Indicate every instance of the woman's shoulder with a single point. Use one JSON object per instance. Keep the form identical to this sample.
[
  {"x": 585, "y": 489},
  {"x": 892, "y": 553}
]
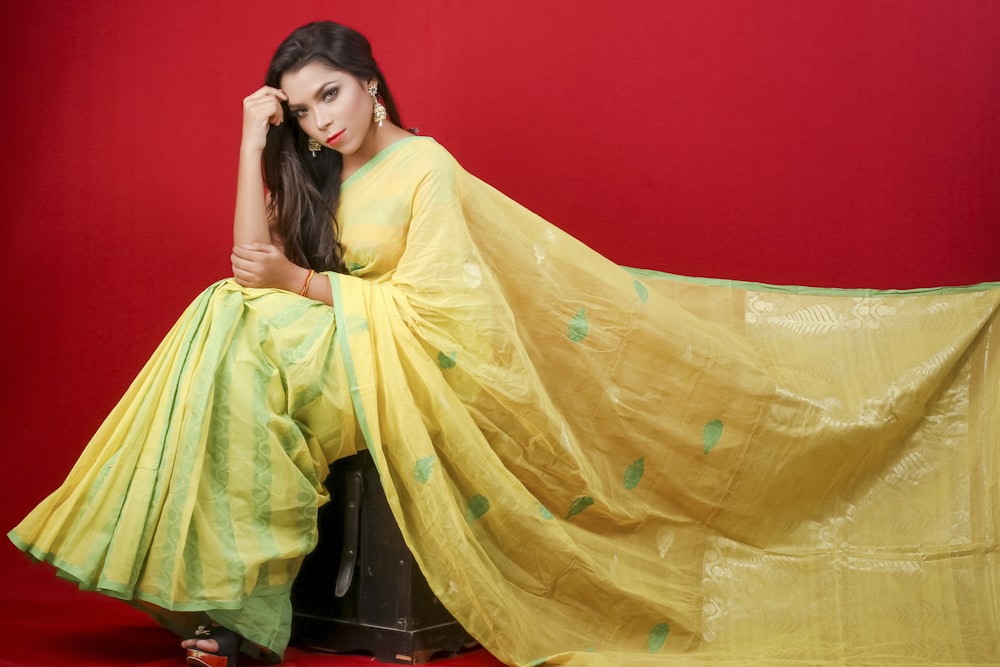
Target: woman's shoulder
[
  {"x": 409, "y": 157},
  {"x": 421, "y": 159},
  {"x": 428, "y": 149}
]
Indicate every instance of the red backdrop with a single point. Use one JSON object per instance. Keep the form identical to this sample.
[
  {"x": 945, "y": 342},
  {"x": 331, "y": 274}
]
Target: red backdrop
[{"x": 826, "y": 143}]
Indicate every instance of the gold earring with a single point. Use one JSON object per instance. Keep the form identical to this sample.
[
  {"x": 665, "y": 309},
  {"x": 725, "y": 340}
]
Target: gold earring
[
  {"x": 315, "y": 147},
  {"x": 378, "y": 111}
]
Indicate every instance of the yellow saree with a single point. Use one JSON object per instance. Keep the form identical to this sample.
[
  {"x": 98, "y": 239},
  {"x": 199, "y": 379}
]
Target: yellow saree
[{"x": 592, "y": 465}]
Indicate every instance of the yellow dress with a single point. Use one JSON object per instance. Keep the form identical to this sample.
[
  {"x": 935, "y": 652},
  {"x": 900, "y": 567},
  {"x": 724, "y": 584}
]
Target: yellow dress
[{"x": 592, "y": 465}]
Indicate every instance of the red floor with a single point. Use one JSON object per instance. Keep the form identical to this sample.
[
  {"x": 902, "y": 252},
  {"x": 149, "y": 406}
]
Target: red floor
[{"x": 47, "y": 622}]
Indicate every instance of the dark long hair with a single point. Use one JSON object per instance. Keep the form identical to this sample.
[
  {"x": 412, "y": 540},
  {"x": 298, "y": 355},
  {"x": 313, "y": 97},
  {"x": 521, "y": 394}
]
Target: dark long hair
[{"x": 305, "y": 191}]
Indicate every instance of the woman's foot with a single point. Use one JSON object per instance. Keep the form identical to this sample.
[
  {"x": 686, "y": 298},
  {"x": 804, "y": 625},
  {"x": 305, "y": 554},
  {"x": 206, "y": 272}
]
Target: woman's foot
[{"x": 212, "y": 646}]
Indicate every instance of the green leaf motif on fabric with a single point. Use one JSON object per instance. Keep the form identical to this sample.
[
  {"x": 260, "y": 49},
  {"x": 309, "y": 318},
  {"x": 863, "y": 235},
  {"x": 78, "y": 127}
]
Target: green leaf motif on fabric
[
  {"x": 478, "y": 506},
  {"x": 447, "y": 361},
  {"x": 711, "y": 433},
  {"x": 354, "y": 266},
  {"x": 580, "y": 504},
  {"x": 423, "y": 469},
  {"x": 641, "y": 290},
  {"x": 658, "y": 636},
  {"x": 546, "y": 514},
  {"x": 633, "y": 474},
  {"x": 356, "y": 324},
  {"x": 537, "y": 663},
  {"x": 579, "y": 326}
]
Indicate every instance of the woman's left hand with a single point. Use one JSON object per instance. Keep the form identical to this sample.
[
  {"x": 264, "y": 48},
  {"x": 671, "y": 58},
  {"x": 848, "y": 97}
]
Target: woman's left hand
[{"x": 263, "y": 265}]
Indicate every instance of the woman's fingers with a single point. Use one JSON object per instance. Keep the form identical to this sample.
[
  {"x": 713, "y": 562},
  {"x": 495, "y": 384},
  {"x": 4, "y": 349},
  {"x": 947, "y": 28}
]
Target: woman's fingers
[
  {"x": 253, "y": 251},
  {"x": 261, "y": 109},
  {"x": 251, "y": 259},
  {"x": 247, "y": 272},
  {"x": 264, "y": 265},
  {"x": 267, "y": 100},
  {"x": 265, "y": 91},
  {"x": 264, "y": 110}
]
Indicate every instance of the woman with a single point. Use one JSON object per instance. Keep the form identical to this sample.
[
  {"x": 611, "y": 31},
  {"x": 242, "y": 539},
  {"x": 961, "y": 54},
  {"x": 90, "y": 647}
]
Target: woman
[{"x": 591, "y": 465}]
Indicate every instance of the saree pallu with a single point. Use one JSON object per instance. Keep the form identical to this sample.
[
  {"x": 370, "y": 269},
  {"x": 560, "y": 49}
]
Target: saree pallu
[{"x": 592, "y": 465}]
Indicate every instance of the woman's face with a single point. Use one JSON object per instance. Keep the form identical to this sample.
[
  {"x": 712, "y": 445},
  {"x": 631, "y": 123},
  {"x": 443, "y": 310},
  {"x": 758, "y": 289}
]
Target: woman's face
[{"x": 331, "y": 106}]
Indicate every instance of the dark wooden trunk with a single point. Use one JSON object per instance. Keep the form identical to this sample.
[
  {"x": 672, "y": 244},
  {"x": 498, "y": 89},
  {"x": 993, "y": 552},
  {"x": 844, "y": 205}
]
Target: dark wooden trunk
[{"x": 361, "y": 590}]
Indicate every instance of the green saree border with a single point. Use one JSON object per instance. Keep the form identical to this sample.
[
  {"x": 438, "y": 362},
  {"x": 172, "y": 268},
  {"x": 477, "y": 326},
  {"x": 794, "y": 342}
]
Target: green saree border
[
  {"x": 340, "y": 334},
  {"x": 380, "y": 157},
  {"x": 800, "y": 289}
]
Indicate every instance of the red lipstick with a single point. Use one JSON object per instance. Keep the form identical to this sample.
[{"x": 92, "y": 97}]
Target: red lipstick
[{"x": 335, "y": 138}]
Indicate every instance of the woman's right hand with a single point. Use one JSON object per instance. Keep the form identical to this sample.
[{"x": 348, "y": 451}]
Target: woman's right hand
[{"x": 261, "y": 109}]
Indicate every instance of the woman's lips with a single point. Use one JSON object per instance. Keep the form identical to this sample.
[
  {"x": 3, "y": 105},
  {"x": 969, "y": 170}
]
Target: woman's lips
[{"x": 335, "y": 138}]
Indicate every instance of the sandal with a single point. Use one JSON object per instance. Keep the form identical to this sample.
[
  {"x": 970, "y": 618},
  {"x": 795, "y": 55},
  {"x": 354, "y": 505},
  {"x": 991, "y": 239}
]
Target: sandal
[{"x": 229, "y": 647}]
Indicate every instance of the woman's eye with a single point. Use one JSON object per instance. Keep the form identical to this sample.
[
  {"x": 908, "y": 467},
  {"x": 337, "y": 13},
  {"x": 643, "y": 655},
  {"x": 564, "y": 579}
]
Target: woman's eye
[
  {"x": 329, "y": 95},
  {"x": 299, "y": 113}
]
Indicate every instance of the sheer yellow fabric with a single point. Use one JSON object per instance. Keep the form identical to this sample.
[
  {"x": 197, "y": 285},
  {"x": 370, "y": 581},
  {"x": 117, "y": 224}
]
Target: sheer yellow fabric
[
  {"x": 592, "y": 465},
  {"x": 597, "y": 466}
]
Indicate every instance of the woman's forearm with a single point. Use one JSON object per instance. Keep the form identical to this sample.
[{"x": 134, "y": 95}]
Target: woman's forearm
[
  {"x": 250, "y": 223},
  {"x": 320, "y": 290}
]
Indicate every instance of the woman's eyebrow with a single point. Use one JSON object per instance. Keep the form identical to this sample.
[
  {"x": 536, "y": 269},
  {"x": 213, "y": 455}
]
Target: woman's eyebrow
[{"x": 317, "y": 95}]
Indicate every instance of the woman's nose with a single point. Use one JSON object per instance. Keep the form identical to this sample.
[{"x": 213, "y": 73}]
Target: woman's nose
[{"x": 323, "y": 120}]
